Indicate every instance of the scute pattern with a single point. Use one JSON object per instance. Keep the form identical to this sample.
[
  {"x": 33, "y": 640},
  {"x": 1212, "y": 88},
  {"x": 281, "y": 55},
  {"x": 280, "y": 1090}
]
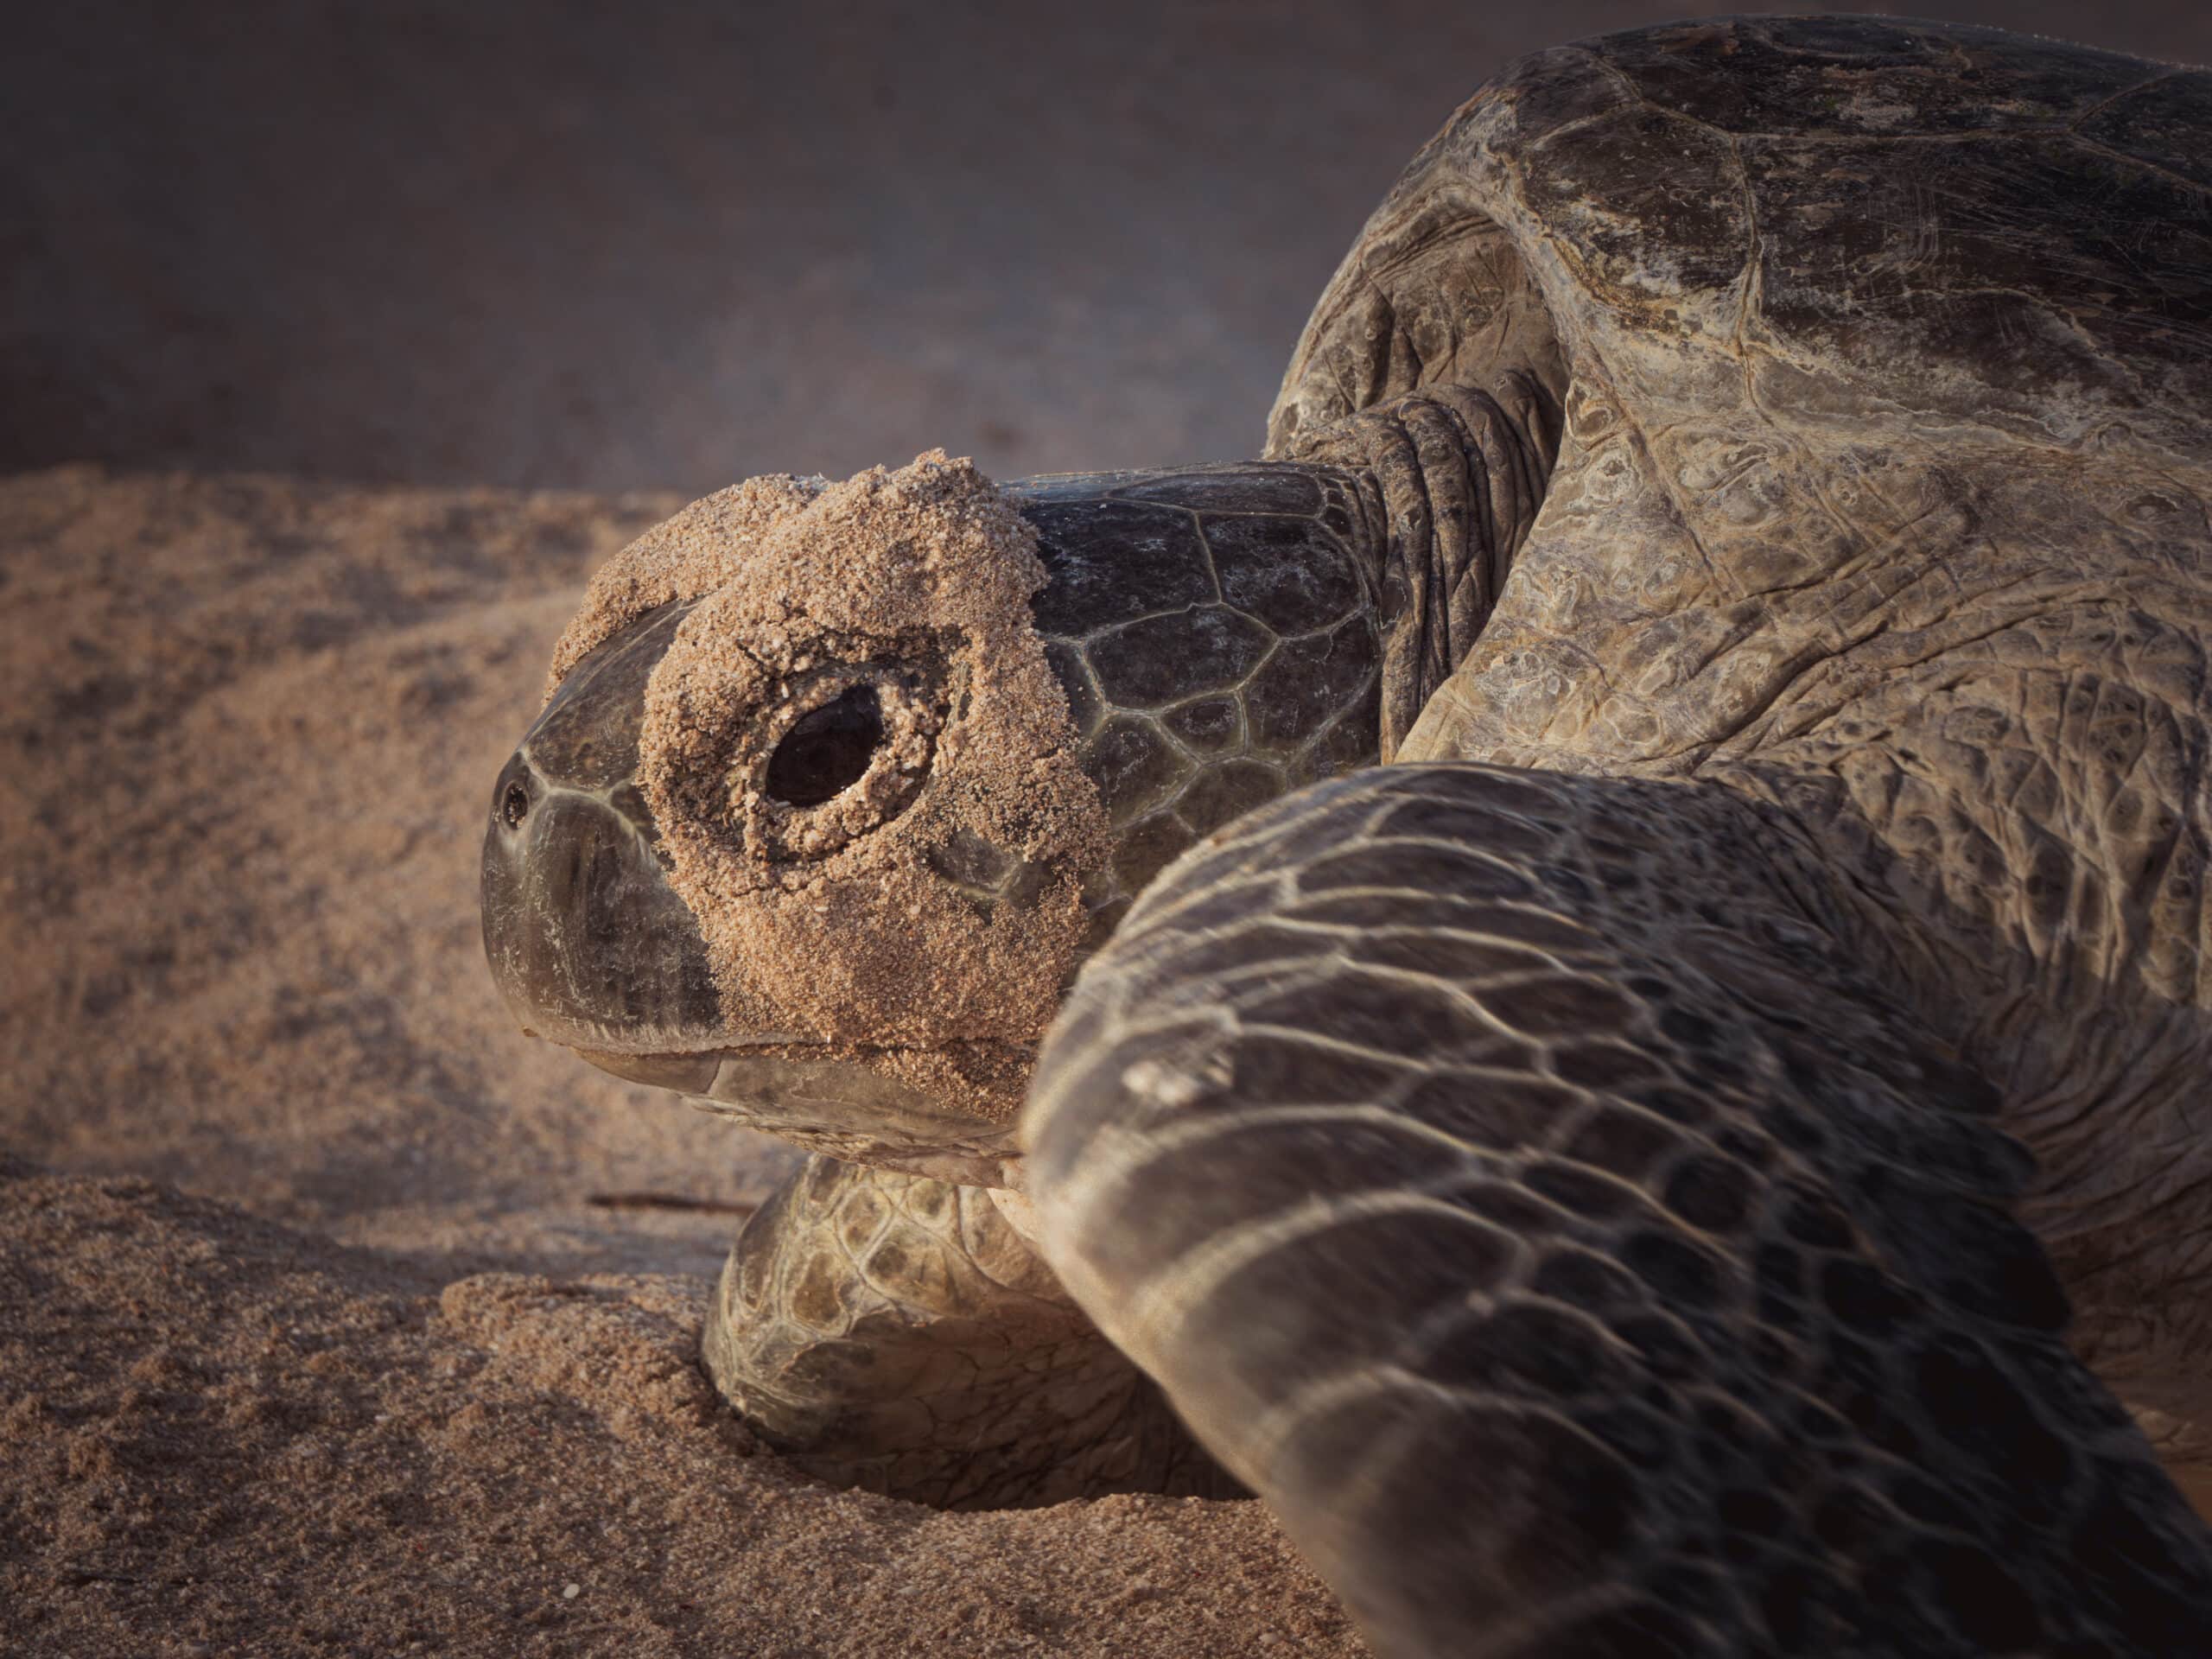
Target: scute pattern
[
  {"x": 1229, "y": 649},
  {"x": 1623, "y": 1266}
]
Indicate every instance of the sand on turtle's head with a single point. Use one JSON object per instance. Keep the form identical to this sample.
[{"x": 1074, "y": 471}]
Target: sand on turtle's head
[
  {"x": 683, "y": 557},
  {"x": 827, "y": 920}
]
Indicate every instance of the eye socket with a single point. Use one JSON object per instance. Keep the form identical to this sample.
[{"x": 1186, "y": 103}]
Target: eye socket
[
  {"x": 827, "y": 750},
  {"x": 514, "y": 804}
]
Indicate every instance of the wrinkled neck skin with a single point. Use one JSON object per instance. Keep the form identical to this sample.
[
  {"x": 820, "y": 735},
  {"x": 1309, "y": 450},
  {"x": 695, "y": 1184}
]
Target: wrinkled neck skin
[{"x": 1979, "y": 715}]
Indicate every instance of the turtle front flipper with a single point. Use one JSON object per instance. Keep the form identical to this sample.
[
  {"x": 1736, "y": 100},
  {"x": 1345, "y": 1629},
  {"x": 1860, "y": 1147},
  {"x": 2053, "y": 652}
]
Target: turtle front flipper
[
  {"x": 1511, "y": 1176},
  {"x": 885, "y": 1330}
]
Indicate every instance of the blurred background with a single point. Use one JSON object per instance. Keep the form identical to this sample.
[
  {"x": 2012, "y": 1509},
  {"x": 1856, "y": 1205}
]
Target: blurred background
[{"x": 666, "y": 244}]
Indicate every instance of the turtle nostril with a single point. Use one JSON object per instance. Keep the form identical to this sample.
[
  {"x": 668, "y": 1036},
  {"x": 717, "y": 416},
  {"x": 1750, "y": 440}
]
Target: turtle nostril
[
  {"x": 827, "y": 750},
  {"x": 514, "y": 804}
]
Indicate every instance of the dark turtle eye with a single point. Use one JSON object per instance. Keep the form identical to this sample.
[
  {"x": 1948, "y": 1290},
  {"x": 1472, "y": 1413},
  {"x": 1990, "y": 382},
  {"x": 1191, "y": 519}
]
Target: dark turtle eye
[
  {"x": 827, "y": 750},
  {"x": 514, "y": 804}
]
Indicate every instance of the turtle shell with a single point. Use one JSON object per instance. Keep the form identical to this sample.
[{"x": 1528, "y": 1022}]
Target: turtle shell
[{"x": 1856, "y": 322}]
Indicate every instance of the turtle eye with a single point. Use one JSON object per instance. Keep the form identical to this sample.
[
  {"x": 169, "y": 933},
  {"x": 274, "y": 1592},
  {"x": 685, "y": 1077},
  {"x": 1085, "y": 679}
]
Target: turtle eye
[
  {"x": 827, "y": 750},
  {"x": 514, "y": 804}
]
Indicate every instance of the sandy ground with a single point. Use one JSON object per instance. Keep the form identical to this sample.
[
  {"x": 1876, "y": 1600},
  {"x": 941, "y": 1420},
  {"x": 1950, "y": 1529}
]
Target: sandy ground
[{"x": 398, "y": 1346}]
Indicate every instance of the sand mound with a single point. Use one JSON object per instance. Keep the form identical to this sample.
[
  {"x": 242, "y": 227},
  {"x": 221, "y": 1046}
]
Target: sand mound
[
  {"x": 223, "y": 1436},
  {"x": 398, "y": 1375}
]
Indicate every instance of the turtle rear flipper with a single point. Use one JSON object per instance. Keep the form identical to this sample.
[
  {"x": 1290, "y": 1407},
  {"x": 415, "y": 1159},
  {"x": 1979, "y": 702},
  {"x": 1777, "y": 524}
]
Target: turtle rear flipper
[{"x": 889, "y": 1332}]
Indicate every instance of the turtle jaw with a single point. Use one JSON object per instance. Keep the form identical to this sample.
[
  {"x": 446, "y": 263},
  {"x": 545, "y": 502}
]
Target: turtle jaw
[
  {"x": 588, "y": 946},
  {"x": 592, "y": 950}
]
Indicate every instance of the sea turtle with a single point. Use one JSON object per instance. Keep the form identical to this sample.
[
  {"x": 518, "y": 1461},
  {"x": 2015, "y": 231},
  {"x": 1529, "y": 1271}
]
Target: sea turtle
[{"x": 1614, "y": 1178}]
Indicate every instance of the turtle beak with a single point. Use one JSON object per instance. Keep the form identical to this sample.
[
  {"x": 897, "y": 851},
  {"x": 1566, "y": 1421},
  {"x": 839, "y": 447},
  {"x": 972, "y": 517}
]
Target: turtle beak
[{"x": 587, "y": 943}]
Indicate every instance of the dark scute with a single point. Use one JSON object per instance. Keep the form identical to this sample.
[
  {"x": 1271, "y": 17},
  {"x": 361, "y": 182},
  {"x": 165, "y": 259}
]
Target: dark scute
[
  {"x": 1556, "y": 88},
  {"x": 1111, "y": 562},
  {"x": 1712, "y": 1194},
  {"x": 1346, "y": 1294},
  {"x": 1642, "y": 1439},
  {"x": 1475, "y": 824},
  {"x": 1585, "y": 1279},
  {"x": 1251, "y": 1173},
  {"x": 1698, "y": 1591},
  {"x": 1581, "y": 1192},
  {"x": 1514, "y": 1208},
  {"x": 1557, "y": 1004},
  {"x": 1810, "y": 1218},
  {"x": 1290, "y": 573},
  {"x": 1500, "y": 1114},
  {"x": 1283, "y": 1070},
  {"x": 1686, "y": 1026},
  {"x": 1797, "y": 1129},
  {"x": 1207, "y": 724},
  {"x": 1424, "y": 867},
  {"x": 1163, "y": 659},
  {"x": 1222, "y": 903},
  {"x": 1547, "y": 803},
  {"x": 1373, "y": 1011},
  {"x": 1134, "y": 767},
  {"x": 1352, "y": 740},
  {"x": 1227, "y": 790},
  {"x": 1802, "y": 1607},
  {"x": 1149, "y": 847},
  {"x": 815, "y": 1300},
  {"x": 1527, "y": 1349},
  {"x": 1681, "y": 1274},
  {"x": 1675, "y": 1105},
  {"x": 1170, "y": 965},
  {"x": 1621, "y": 1140},
  {"x": 586, "y": 738},
  {"x": 1441, "y": 954},
  {"x": 1308, "y": 682},
  {"x": 1101, "y": 924}
]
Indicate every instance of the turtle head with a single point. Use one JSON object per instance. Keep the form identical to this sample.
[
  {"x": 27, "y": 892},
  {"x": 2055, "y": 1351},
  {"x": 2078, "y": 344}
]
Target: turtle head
[
  {"x": 836, "y": 784},
  {"x": 800, "y": 831}
]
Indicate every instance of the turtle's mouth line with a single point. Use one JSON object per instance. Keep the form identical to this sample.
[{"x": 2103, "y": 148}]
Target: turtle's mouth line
[{"x": 691, "y": 1071}]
